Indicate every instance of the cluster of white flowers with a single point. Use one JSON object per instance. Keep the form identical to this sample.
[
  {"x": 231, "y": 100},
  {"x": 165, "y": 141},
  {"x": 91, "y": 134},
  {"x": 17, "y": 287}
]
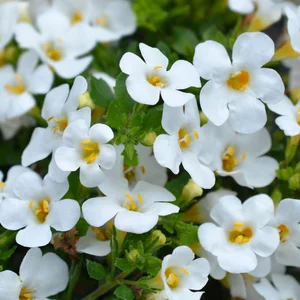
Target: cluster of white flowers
[{"x": 247, "y": 244}]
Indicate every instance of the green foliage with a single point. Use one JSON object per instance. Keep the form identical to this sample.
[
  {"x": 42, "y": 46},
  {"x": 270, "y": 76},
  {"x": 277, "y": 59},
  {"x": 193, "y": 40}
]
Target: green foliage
[
  {"x": 124, "y": 292},
  {"x": 95, "y": 270},
  {"x": 6, "y": 254},
  {"x": 101, "y": 92},
  {"x": 124, "y": 265},
  {"x": 82, "y": 227}
]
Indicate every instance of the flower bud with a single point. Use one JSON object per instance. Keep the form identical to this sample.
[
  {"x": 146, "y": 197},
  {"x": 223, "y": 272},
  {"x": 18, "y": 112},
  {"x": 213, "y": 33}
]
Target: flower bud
[
  {"x": 294, "y": 182},
  {"x": 203, "y": 118},
  {"x": 191, "y": 190},
  {"x": 149, "y": 138},
  {"x": 86, "y": 101},
  {"x": 133, "y": 255},
  {"x": 161, "y": 237}
]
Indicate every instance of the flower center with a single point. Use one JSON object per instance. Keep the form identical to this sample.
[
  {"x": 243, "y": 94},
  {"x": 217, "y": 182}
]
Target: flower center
[
  {"x": 132, "y": 205},
  {"x": 229, "y": 160},
  {"x": 239, "y": 81},
  {"x": 240, "y": 234},
  {"x": 101, "y": 235},
  {"x": 90, "y": 151},
  {"x": 284, "y": 231},
  {"x": 18, "y": 87},
  {"x": 298, "y": 116},
  {"x": 172, "y": 277},
  {"x": 41, "y": 210},
  {"x": 102, "y": 21},
  {"x": 130, "y": 172},
  {"x": 155, "y": 79},
  {"x": 2, "y": 184},
  {"x": 185, "y": 138},
  {"x": 52, "y": 51},
  {"x": 25, "y": 294},
  {"x": 59, "y": 125},
  {"x": 77, "y": 17}
]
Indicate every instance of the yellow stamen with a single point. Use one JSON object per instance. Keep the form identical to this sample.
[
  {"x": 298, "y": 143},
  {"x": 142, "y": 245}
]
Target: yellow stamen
[
  {"x": 184, "y": 270},
  {"x": 239, "y": 81},
  {"x": 41, "y": 210},
  {"x": 85, "y": 142},
  {"x": 90, "y": 151},
  {"x": 196, "y": 134},
  {"x": 25, "y": 294},
  {"x": 31, "y": 204},
  {"x": 156, "y": 81},
  {"x": 143, "y": 170},
  {"x": 77, "y": 17},
  {"x": 100, "y": 235},
  {"x": 240, "y": 234},
  {"x": 238, "y": 224},
  {"x": 140, "y": 198},
  {"x": 17, "y": 88},
  {"x": 171, "y": 278},
  {"x": 2, "y": 184},
  {"x": 157, "y": 67},
  {"x": 283, "y": 232},
  {"x": 130, "y": 204},
  {"x": 61, "y": 124},
  {"x": 184, "y": 138},
  {"x": 52, "y": 52},
  {"x": 229, "y": 161}
]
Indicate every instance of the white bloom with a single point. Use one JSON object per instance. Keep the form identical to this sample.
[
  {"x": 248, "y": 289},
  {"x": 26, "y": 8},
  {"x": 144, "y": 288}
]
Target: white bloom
[
  {"x": 96, "y": 241},
  {"x": 149, "y": 79},
  {"x": 147, "y": 169},
  {"x": 41, "y": 276},
  {"x": 241, "y": 233},
  {"x": 293, "y": 26},
  {"x": 242, "y": 6},
  {"x": 239, "y": 156},
  {"x": 17, "y": 88},
  {"x": 286, "y": 221},
  {"x": 182, "y": 142},
  {"x": 234, "y": 89},
  {"x": 284, "y": 287},
  {"x": 294, "y": 72},
  {"x": 289, "y": 120},
  {"x": 37, "y": 207},
  {"x": 59, "y": 110},
  {"x": 37, "y": 8},
  {"x": 86, "y": 148},
  {"x": 58, "y": 44},
  {"x": 135, "y": 210},
  {"x": 180, "y": 274}
]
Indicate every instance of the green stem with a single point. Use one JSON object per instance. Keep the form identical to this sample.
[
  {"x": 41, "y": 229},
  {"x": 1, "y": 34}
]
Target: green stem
[
  {"x": 106, "y": 287},
  {"x": 74, "y": 277}
]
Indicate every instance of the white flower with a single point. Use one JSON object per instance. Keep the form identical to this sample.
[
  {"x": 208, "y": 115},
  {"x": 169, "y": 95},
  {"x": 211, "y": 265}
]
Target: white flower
[
  {"x": 180, "y": 274},
  {"x": 238, "y": 155},
  {"x": 284, "y": 287},
  {"x": 58, "y": 44},
  {"x": 294, "y": 72},
  {"x": 149, "y": 79},
  {"x": 286, "y": 221},
  {"x": 96, "y": 241},
  {"x": 86, "y": 149},
  {"x": 135, "y": 210},
  {"x": 242, "y": 6},
  {"x": 17, "y": 88},
  {"x": 293, "y": 26},
  {"x": 234, "y": 89},
  {"x": 37, "y": 207},
  {"x": 147, "y": 169},
  {"x": 289, "y": 120},
  {"x": 59, "y": 110},
  {"x": 241, "y": 233},
  {"x": 41, "y": 276},
  {"x": 181, "y": 143}
]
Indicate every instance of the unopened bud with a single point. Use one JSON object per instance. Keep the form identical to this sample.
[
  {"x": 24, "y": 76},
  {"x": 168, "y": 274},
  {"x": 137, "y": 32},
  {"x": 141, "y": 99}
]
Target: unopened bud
[
  {"x": 276, "y": 196},
  {"x": 149, "y": 139},
  {"x": 86, "y": 101},
  {"x": 161, "y": 237},
  {"x": 191, "y": 190},
  {"x": 294, "y": 182},
  {"x": 133, "y": 255},
  {"x": 203, "y": 118}
]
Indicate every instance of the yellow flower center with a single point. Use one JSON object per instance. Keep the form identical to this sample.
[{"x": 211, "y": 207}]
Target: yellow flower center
[
  {"x": 132, "y": 205},
  {"x": 239, "y": 81},
  {"x": 130, "y": 172},
  {"x": 53, "y": 52},
  {"x": 240, "y": 234},
  {"x": 25, "y": 294},
  {"x": 60, "y": 124},
  {"x": 101, "y": 235},
  {"x": 41, "y": 209},
  {"x": 185, "y": 138},
  {"x": 2, "y": 184},
  {"x": 155, "y": 79},
  {"x": 172, "y": 277},
  {"x": 229, "y": 160},
  {"x": 90, "y": 151},
  {"x": 102, "y": 21},
  {"x": 18, "y": 87},
  {"x": 298, "y": 116},
  {"x": 77, "y": 17},
  {"x": 284, "y": 231}
]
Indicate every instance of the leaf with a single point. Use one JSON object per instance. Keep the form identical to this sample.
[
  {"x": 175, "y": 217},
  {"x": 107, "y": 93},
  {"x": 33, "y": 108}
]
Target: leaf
[
  {"x": 124, "y": 292},
  {"x": 115, "y": 116},
  {"x": 82, "y": 227},
  {"x": 6, "y": 254},
  {"x": 187, "y": 233},
  {"x": 175, "y": 186},
  {"x": 130, "y": 155},
  {"x": 95, "y": 270},
  {"x": 124, "y": 265},
  {"x": 101, "y": 93},
  {"x": 152, "y": 265},
  {"x": 152, "y": 120}
]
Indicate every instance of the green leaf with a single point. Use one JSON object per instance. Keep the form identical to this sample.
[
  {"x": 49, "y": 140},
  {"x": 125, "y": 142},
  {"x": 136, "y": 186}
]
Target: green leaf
[
  {"x": 101, "y": 93},
  {"x": 130, "y": 155},
  {"x": 6, "y": 254},
  {"x": 152, "y": 120},
  {"x": 214, "y": 34},
  {"x": 95, "y": 270},
  {"x": 187, "y": 233},
  {"x": 175, "y": 186},
  {"x": 124, "y": 292},
  {"x": 115, "y": 116},
  {"x": 82, "y": 227},
  {"x": 152, "y": 265},
  {"x": 124, "y": 265}
]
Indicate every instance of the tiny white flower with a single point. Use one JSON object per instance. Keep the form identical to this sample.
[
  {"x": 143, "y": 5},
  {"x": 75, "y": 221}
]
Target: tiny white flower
[
  {"x": 242, "y": 6},
  {"x": 135, "y": 210},
  {"x": 286, "y": 221},
  {"x": 293, "y": 26},
  {"x": 239, "y": 155},
  {"x": 17, "y": 88},
  {"x": 40, "y": 277},
  {"x": 182, "y": 142},
  {"x": 37, "y": 206},
  {"x": 58, "y": 44},
  {"x": 289, "y": 120},
  {"x": 86, "y": 149},
  {"x": 241, "y": 234},
  {"x": 150, "y": 78},
  {"x": 96, "y": 241},
  {"x": 180, "y": 274},
  {"x": 284, "y": 287},
  {"x": 235, "y": 90},
  {"x": 147, "y": 169}
]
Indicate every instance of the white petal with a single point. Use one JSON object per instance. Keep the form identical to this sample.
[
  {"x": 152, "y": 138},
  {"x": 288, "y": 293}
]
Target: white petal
[
  {"x": 175, "y": 98},
  {"x": 289, "y": 125},
  {"x": 237, "y": 286},
  {"x": 55, "y": 190},
  {"x": 288, "y": 211},
  {"x": 288, "y": 254},
  {"x": 286, "y": 284},
  {"x": 10, "y": 285},
  {"x": 81, "y": 114},
  {"x": 30, "y": 265},
  {"x": 131, "y": 63},
  {"x": 41, "y": 80},
  {"x": 55, "y": 173},
  {"x": 26, "y": 36},
  {"x": 101, "y": 133},
  {"x": 162, "y": 209},
  {"x": 20, "y": 105},
  {"x": 67, "y": 159},
  {"x": 76, "y": 132},
  {"x": 91, "y": 175},
  {"x": 153, "y": 57},
  {"x": 27, "y": 63},
  {"x": 266, "y": 289},
  {"x": 244, "y": 7},
  {"x": 172, "y": 119},
  {"x": 107, "y": 156},
  {"x": 263, "y": 267}
]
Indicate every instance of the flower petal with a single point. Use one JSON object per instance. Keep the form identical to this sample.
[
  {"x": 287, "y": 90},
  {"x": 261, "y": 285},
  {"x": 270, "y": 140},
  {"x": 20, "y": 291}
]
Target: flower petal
[
  {"x": 153, "y": 57},
  {"x": 131, "y": 63},
  {"x": 91, "y": 175},
  {"x": 175, "y": 98}
]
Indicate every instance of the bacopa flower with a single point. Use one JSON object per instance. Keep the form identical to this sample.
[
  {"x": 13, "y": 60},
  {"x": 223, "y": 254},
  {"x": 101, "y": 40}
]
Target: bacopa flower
[
  {"x": 289, "y": 120},
  {"x": 40, "y": 277},
  {"x": 239, "y": 156},
  {"x": 242, "y": 6},
  {"x": 17, "y": 88},
  {"x": 37, "y": 206},
  {"x": 286, "y": 221},
  {"x": 293, "y": 26},
  {"x": 150, "y": 78},
  {"x": 234, "y": 89},
  {"x": 180, "y": 274},
  {"x": 182, "y": 143},
  {"x": 241, "y": 232},
  {"x": 57, "y": 44},
  {"x": 86, "y": 149},
  {"x": 135, "y": 210}
]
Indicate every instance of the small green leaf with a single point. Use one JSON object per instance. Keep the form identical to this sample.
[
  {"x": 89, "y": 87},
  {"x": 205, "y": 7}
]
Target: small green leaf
[
  {"x": 101, "y": 93},
  {"x": 95, "y": 270},
  {"x": 130, "y": 155},
  {"x": 124, "y": 265},
  {"x": 124, "y": 292},
  {"x": 6, "y": 254},
  {"x": 187, "y": 233},
  {"x": 152, "y": 265},
  {"x": 82, "y": 227},
  {"x": 115, "y": 116}
]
